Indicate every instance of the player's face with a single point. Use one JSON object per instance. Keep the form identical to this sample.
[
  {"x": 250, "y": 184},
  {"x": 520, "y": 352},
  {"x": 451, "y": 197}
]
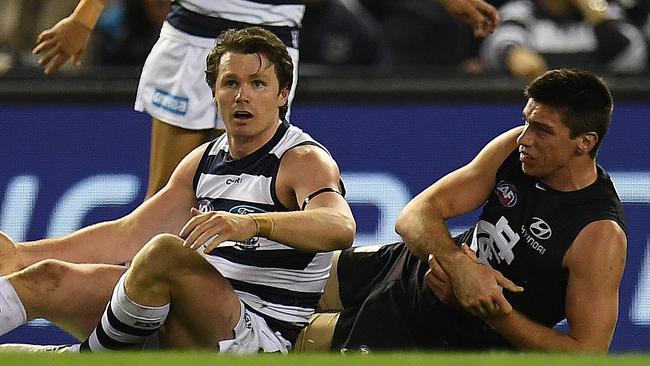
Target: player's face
[
  {"x": 246, "y": 93},
  {"x": 546, "y": 149}
]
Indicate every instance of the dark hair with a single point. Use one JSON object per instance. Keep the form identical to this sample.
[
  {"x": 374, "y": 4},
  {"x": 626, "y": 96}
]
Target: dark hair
[
  {"x": 252, "y": 40},
  {"x": 584, "y": 101}
]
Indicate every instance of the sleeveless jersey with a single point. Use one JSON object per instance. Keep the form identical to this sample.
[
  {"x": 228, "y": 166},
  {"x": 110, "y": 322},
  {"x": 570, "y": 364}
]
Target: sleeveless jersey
[
  {"x": 281, "y": 284},
  {"x": 526, "y": 228},
  {"x": 524, "y": 231}
]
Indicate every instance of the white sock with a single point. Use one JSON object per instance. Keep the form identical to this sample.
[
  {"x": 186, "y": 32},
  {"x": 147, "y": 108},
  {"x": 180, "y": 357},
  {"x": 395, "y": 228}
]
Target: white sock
[
  {"x": 125, "y": 324},
  {"x": 12, "y": 311}
]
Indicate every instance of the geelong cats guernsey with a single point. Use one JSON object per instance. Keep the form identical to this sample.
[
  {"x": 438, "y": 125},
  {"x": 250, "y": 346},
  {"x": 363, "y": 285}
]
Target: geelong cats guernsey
[
  {"x": 526, "y": 228},
  {"x": 208, "y": 18},
  {"x": 279, "y": 283}
]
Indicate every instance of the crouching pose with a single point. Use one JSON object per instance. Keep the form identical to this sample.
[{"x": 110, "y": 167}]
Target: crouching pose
[{"x": 231, "y": 255}]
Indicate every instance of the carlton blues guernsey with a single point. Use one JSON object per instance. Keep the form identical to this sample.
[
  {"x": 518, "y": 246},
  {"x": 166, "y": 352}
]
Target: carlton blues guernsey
[
  {"x": 524, "y": 231},
  {"x": 275, "y": 281}
]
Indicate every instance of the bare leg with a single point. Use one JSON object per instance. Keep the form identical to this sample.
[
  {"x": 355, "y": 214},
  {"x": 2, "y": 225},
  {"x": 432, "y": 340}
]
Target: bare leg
[
  {"x": 71, "y": 295},
  {"x": 169, "y": 145},
  {"x": 10, "y": 260},
  {"x": 204, "y": 307}
]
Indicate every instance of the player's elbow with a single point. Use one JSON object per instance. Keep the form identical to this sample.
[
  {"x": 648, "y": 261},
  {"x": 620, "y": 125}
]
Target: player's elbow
[
  {"x": 346, "y": 233},
  {"x": 408, "y": 223}
]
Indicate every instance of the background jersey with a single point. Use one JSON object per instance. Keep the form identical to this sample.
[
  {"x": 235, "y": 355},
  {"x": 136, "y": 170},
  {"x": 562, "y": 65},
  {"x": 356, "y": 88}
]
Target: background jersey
[
  {"x": 208, "y": 18},
  {"x": 281, "y": 284},
  {"x": 526, "y": 227}
]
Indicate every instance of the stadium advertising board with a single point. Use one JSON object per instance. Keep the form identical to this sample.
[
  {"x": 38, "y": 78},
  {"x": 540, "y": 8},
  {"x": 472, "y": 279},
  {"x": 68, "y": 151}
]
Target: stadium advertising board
[{"x": 64, "y": 167}]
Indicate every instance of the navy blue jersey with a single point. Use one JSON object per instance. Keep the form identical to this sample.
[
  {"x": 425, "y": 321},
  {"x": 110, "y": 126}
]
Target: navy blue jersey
[
  {"x": 524, "y": 231},
  {"x": 526, "y": 228}
]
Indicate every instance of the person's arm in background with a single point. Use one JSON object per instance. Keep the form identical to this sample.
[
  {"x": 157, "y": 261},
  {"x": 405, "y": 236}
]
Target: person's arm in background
[
  {"x": 619, "y": 43},
  {"x": 68, "y": 39},
  {"x": 481, "y": 16},
  {"x": 507, "y": 49}
]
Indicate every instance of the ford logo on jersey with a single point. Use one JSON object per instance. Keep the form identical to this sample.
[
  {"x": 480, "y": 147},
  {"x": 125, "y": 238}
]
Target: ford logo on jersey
[
  {"x": 252, "y": 243},
  {"x": 245, "y": 210}
]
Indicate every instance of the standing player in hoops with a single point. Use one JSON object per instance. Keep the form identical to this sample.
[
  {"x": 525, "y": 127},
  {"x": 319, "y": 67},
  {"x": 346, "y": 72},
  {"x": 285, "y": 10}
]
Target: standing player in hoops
[
  {"x": 231, "y": 255},
  {"x": 171, "y": 86},
  {"x": 551, "y": 223}
]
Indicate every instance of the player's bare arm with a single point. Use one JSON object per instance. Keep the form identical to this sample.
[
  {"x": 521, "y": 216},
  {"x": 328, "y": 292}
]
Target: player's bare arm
[
  {"x": 422, "y": 227},
  {"x": 119, "y": 240},
  {"x": 595, "y": 262},
  {"x": 326, "y": 222}
]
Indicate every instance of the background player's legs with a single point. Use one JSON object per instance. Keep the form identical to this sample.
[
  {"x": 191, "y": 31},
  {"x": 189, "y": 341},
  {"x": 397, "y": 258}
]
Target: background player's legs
[
  {"x": 71, "y": 295},
  {"x": 168, "y": 284},
  {"x": 169, "y": 145}
]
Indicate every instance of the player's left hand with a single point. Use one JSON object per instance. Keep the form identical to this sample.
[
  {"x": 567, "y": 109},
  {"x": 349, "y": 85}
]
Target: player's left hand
[
  {"x": 215, "y": 227},
  {"x": 481, "y": 16},
  {"x": 439, "y": 283},
  {"x": 67, "y": 40}
]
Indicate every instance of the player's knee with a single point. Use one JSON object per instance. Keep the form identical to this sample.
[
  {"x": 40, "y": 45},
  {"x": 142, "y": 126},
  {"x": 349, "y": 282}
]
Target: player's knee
[
  {"x": 46, "y": 276},
  {"x": 160, "y": 254}
]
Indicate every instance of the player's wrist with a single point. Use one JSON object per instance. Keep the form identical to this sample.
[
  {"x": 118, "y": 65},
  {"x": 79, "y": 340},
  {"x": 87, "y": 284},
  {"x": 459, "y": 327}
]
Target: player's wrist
[
  {"x": 448, "y": 260},
  {"x": 87, "y": 13},
  {"x": 264, "y": 224}
]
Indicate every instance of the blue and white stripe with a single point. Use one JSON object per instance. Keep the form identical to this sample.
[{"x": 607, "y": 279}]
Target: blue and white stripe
[
  {"x": 286, "y": 13},
  {"x": 274, "y": 280}
]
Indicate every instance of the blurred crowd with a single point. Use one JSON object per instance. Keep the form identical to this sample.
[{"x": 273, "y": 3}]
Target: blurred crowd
[{"x": 603, "y": 35}]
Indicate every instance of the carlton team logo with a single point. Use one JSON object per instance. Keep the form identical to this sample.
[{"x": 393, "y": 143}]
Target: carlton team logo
[{"x": 507, "y": 193}]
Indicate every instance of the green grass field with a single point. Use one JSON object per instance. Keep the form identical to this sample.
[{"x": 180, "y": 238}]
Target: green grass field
[{"x": 400, "y": 359}]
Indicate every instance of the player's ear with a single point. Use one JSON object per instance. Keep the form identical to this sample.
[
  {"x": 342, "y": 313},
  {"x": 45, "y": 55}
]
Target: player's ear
[
  {"x": 586, "y": 142},
  {"x": 283, "y": 97}
]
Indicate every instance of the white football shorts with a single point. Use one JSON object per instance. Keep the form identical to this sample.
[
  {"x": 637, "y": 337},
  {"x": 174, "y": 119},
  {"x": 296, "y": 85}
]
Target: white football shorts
[{"x": 253, "y": 335}]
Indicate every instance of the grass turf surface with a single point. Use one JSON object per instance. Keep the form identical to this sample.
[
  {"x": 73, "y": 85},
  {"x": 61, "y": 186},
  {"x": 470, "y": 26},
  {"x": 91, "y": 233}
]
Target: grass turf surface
[{"x": 399, "y": 359}]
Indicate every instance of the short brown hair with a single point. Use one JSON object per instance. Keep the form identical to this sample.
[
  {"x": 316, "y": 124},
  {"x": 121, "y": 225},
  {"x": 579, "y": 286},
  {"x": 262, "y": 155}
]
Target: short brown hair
[
  {"x": 252, "y": 40},
  {"x": 583, "y": 99}
]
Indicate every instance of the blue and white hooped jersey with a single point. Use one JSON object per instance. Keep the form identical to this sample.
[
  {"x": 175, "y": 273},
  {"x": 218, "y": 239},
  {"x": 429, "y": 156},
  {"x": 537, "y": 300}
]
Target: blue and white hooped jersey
[
  {"x": 208, "y": 18},
  {"x": 269, "y": 12},
  {"x": 276, "y": 281}
]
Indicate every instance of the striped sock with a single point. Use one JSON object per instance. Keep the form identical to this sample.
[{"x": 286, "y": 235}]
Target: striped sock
[{"x": 125, "y": 324}]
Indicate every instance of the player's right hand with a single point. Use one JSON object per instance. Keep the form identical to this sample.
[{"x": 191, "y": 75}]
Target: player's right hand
[
  {"x": 67, "y": 40},
  {"x": 479, "y": 288}
]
